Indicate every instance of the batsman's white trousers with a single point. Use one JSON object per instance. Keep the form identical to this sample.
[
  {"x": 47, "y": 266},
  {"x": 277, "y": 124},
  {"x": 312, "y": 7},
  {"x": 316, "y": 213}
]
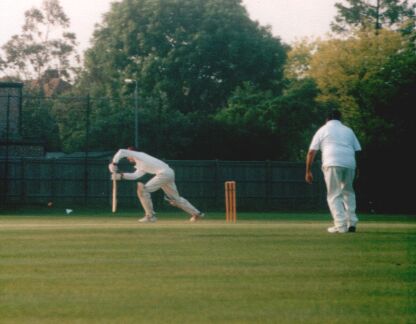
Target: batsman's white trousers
[
  {"x": 340, "y": 195},
  {"x": 165, "y": 181}
]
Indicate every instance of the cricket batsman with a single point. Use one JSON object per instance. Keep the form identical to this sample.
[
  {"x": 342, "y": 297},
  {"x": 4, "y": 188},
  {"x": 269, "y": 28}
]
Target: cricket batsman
[{"x": 164, "y": 178}]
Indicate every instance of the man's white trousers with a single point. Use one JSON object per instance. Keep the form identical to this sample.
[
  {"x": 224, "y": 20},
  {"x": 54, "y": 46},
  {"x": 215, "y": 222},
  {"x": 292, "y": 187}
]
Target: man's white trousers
[
  {"x": 166, "y": 182},
  {"x": 340, "y": 195}
]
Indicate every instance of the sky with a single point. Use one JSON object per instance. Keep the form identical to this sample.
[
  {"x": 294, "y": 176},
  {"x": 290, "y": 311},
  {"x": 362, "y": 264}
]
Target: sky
[{"x": 289, "y": 19}]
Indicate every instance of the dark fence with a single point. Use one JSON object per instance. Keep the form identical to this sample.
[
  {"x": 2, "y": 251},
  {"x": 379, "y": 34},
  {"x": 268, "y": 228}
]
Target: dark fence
[
  {"x": 261, "y": 186},
  {"x": 31, "y": 126}
]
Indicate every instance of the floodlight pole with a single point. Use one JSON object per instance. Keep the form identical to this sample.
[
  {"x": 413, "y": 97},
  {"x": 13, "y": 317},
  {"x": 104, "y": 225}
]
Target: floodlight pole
[
  {"x": 136, "y": 117},
  {"x": 136, "y": 112}
]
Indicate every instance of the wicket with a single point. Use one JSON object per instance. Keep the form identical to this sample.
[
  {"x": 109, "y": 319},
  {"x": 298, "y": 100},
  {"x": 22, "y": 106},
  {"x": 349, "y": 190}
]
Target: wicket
[{"x": 230, "y": 202}]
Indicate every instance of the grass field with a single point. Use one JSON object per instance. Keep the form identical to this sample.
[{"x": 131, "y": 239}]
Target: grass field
[{"x": 269, "y": 268}]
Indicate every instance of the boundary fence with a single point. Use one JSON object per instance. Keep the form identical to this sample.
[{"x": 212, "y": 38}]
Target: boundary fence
[{"x": 262, "y": 185}]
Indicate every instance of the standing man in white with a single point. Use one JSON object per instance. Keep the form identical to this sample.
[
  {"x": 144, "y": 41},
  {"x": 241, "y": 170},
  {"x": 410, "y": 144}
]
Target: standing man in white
[
  {"x": 338, "y": 145},
  {"x": 164, "y": 178}
]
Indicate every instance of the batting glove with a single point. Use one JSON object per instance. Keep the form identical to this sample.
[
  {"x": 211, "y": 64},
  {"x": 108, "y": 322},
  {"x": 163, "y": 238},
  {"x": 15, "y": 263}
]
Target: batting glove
[{"x": 113, "y": 167}]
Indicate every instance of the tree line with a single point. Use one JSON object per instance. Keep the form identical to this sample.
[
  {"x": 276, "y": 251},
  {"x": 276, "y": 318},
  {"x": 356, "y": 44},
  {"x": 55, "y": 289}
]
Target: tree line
[{"x": 213, "y": 84}]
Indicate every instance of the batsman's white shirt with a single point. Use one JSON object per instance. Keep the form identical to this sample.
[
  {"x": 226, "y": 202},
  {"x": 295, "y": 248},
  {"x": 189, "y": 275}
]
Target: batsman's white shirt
[
  {"x": 337, "y": 143},
  {"x": 144, "y": 163}
]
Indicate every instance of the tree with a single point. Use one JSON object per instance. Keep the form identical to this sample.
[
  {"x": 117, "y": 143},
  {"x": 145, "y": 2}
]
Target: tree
[
  {"x": 344, "y": 71},
  {"x": 298, "y": 59},
  {"x": 187, "y": 57},
  {"x": 375, "y": 14},
  {"x": 44, "y": 44},
  {"x": 193, "y": 53},
  {"x": 256, "y": 125}
]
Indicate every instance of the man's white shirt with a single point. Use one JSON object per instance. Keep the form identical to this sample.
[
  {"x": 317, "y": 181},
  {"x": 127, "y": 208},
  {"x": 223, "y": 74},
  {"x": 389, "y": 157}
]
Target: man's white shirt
[
  {"x": 144, "y": 163},
  {"x": 337, "y": 143}
]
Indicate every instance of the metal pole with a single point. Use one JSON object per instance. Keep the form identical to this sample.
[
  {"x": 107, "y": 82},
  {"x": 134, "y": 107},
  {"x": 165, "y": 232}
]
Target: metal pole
[
  {"x": 87, "y": 144},
  {"x": 136, "y": 118}
]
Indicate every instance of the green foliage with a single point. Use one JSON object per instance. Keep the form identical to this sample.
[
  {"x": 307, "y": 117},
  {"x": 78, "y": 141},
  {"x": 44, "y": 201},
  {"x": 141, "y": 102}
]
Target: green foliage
[
  {"x": 298, "y": 59},
  {"x": 71, "y": 118},
  {"x": 376, "y": 14},
  {"x": 39, "y": 123},
  {"x": 248, "y": 125},
  {"x": 44, "y": 44},
  {"x": 193, "y": 53},
  {"x": 347, "y": 70},
  {"x": 163, "y": 132},
  {"x": 258, "y": 125}
]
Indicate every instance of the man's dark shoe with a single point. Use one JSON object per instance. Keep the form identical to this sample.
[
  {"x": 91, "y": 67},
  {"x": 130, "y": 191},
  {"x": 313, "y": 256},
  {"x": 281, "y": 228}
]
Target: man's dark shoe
[{"x": 351, "y": 229}]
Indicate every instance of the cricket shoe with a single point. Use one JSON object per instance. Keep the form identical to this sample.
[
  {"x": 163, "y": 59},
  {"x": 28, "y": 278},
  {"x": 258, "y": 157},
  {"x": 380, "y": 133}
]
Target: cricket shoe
[
  {"x": 335, "y": 229},
  {"x": 148, "y": 219},
  {"x": 197, "y": 217},
  {"x": 352, "y": 229}
]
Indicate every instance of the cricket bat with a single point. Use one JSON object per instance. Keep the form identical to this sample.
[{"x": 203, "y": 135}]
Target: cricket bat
[{"x": 114, "y": 201}]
